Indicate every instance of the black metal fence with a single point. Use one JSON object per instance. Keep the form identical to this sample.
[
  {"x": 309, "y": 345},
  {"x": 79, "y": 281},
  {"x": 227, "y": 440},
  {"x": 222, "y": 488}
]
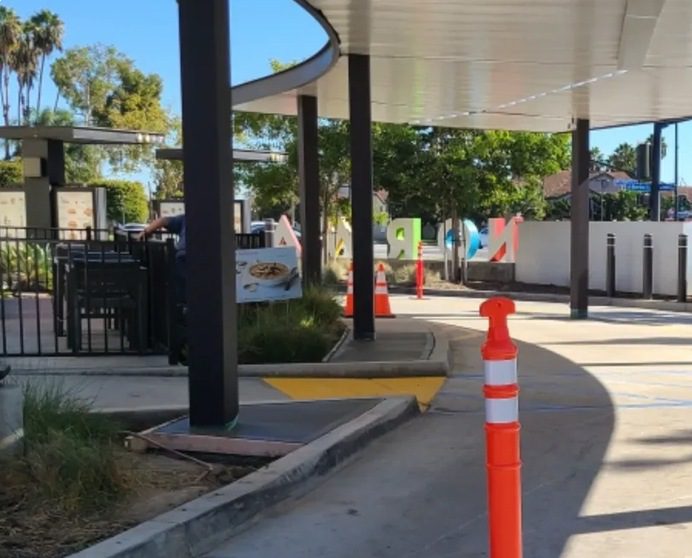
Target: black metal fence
[{"x": 75, "y": 292}]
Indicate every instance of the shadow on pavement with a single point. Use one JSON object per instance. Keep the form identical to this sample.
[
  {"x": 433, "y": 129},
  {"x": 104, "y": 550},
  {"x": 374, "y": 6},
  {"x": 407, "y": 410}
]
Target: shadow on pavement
[{"x": 567, "y": 419}]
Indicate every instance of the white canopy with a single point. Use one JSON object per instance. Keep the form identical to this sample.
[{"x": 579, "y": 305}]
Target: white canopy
[{"x": 504, "y": 64}]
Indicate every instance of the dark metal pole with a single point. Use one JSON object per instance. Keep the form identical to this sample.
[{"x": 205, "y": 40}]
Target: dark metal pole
[
  {"x": 675, "y": 195},
  {"x": 308, "y": 170},
  {"x": 361, "y": 196},
  {"x": 648, "y": 270},
  {"x": 579, "y": 233},
  {"x": 208, "y": 173},
  {"x": 654, "y": 197},
  {"x": 682, "y": 268},
  {"x": 610, "y": 265},
  {"x": 269, "y": 232}
]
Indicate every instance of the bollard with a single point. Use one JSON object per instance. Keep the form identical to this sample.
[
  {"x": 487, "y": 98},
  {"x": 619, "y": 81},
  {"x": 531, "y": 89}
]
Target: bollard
[
  {"x": 682, "y": 268},
  {"x": 502, "y": 427},
  {"x": 648, "y": 271},
  {"x": 420, "y": 275},
  {"x": 610, "y": 265}
]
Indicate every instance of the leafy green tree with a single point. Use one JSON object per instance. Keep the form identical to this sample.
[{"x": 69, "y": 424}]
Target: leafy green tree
[
  {"x": 168, "y": 175},
  {"x": 105, "y": 87},
  {"x": 11, "y": 173},
  {"x": 126, "y": 200},
  {"x": 624, "y": 158},
  {"x": 85, "y": 76}
]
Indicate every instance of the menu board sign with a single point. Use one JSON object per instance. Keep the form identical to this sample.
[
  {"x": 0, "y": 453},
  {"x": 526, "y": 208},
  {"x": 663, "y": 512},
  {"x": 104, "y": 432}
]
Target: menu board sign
[
  {"x": 12, "y": 209},
  {"x": 171, "y": 208},
  {"x": 75, "y": 210}
]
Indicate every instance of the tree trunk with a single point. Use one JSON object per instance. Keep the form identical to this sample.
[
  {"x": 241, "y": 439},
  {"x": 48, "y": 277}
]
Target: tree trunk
[
  {"x": 57, "y": 100},
  {"x": 2, "y": 104},
  {"x": 456, "y": 270},
  {"x": 40, "y": 86}
]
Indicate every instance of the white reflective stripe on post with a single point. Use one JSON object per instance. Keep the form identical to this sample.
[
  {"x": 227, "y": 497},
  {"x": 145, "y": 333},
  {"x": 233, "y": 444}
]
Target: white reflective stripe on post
[
  {"x": 381, "y": 290},
  {"x": 500, "y": 372},
  {"x": 501, "y": 411}
]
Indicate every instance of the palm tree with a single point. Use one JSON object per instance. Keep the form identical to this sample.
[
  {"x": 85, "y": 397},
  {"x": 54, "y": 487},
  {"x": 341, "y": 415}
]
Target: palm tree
[
  {"x": 25, "y": 66},
  {"x": 10, "y": 31},
  {"x": 49, "y": 30}
]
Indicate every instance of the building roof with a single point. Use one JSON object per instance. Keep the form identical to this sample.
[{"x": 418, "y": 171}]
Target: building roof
[
  {"x": 559, "y": 184},
  {"x": 520, "y": 65},
  {"x": 81, "y": 134}
]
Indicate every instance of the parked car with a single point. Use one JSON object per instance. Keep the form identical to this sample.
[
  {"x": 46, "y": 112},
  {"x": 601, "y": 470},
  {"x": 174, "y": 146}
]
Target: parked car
[{"x": 132, "y": 227}]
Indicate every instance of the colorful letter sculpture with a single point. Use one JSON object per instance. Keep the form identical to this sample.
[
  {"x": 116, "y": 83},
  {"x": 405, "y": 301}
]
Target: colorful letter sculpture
[
  {"x": 403, "y": 236},
  {"x": 469, "y": 238},
  {"x": 503, "y": 239}
]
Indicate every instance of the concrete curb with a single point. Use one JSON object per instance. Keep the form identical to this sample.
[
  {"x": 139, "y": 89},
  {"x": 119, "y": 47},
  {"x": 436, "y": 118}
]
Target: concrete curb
[
  {"x": 389, "y": 369},
  {"x": 663, "y": 305},
  {"x": 202, "y": 524}
]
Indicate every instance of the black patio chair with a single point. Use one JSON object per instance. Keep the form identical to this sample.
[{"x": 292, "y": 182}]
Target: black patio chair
[{"x": 114, "y": 291}]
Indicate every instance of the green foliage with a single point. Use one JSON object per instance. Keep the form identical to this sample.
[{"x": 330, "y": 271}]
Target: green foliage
[
  {"x": 11, "y": 173},
  {"x": 126, "y": 200},
  {"x": 70, "y": 452},
  {"x": 622, "y": 206},
  {"x": 168, "y": 175},
  {"x": 26, "y": 266},
  {"x": 433, "y": 172},
  {"x": 624, "y": 158},
  {"x": 301, "y": 330},
  {"x": 106, "y": 89}
]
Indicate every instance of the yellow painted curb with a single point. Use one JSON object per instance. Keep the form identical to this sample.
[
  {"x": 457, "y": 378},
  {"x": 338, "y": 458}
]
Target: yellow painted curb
[{"x": 423, "y": 388}]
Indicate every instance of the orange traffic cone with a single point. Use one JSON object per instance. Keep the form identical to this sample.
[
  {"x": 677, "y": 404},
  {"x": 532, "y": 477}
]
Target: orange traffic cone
[
  {"x": 348, "y": 308},
  {"x": 382, "y": 308}
]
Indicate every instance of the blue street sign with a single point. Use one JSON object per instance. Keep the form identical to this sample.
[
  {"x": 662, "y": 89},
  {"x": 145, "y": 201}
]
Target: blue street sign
[{"x": 644, "y": 187}]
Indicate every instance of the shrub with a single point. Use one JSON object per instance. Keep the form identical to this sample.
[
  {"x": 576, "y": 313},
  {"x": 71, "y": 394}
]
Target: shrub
[
  {"x": 11, "y": 173},
  {"x": 70, "y": 456},
  {"x": 301, "y": 330},
  {"x": 126, "y": 200},
  {"x": 26, "y": 265}
]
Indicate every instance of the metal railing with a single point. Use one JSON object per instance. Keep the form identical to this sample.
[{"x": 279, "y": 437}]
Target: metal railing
[
  {"x": 88, "y": 291},
  {"x": 73, "y": 292}
]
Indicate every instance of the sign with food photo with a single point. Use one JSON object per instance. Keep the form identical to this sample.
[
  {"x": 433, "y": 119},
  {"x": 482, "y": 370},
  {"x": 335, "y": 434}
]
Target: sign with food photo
[{"x": 267, "y": 274}]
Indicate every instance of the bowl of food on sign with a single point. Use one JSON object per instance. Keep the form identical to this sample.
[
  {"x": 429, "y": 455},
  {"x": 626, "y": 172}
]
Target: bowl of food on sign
[{"x": 269, "y": 274}]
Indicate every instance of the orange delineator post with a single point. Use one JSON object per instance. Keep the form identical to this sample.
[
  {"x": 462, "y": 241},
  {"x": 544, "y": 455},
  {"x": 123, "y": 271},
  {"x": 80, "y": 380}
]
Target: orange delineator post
[
  {"x": 382, "y": 306},
  {"x": 348, "y": 307},
  {"x": 502, "y": 427},
  {"x": 419, "y": 272}
]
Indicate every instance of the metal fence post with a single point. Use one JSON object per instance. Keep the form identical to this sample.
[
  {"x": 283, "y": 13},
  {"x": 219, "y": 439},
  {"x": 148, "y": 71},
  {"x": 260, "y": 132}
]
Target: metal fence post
[
  {"x": 610, "y": 265},
  {"x": 682, "y": 268},
  {"x": 648, "y": 271},
  {"x": 269, "y": 230}
]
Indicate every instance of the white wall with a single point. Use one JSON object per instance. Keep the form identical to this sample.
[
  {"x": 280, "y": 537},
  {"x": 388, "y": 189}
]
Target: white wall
[{"x": 543, "y": 256}]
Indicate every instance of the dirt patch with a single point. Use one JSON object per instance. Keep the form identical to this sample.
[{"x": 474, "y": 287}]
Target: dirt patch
[{"x": 34, "y": 528}]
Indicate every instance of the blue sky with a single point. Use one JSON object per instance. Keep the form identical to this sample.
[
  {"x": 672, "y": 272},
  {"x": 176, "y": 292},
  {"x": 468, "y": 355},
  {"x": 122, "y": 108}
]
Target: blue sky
[{"x": 146, "y": 31}]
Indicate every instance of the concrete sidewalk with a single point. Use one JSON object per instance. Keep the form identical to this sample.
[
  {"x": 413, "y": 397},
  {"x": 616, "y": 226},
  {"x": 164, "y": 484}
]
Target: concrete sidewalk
[
  {"x": 605, "y": 408},
  {"x": 131, "y": 381}
]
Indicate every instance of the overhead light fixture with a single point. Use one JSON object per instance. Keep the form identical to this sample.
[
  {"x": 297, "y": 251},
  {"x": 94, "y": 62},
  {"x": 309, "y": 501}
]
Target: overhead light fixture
[{"x": 638, "y": 25}]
